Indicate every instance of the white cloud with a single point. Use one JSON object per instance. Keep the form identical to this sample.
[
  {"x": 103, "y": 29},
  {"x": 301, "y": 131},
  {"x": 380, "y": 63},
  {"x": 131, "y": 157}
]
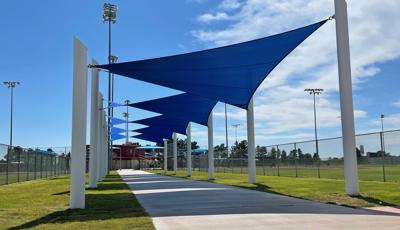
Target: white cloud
[
  {"x": 280, "y": 102},
  {"x": 397, "y": 103},
  {"x": 213, "y": 17},
  {"x": 230, "y": 4}
]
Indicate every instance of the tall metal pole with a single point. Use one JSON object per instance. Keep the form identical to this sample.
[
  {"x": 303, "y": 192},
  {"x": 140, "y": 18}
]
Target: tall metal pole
[
  {"x": 11, "y": 85},
  {"x": 316, "y": 92},
  {"x": 109, "y": 15},
  {"x": 346, "y": 98},
  {"x": 383, "y": 149},
  {"x": 251, "y": 152},
  {"x": 316, "y": 138},
  {"x": 236, "y": 126},
  {"x": 226, "y": 133}
]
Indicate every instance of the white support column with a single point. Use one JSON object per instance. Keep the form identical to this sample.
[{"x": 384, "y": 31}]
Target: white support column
[
  {"x": 165, "y": 156},
  {"x": 105, "y": 138},
  {"x": 78, "y": 143},
  {"x": 99, "y": 135},
  {"x": 346, "y": 98},
  {"x": 175, "y": 152},
  {"x": 94, "y": 116},
  {"x": 189, "y": 149},
  {"x": 251, "y": 152},
  {"x": 210, "y": 147}
]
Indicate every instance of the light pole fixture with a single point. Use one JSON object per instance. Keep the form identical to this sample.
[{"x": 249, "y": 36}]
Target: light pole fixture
[
  {"x": 314, "y": 92},
  {"x": 11, "y": 85},
  {"x": 109, "y": 15},
  {"x": 236, "y": 126}
]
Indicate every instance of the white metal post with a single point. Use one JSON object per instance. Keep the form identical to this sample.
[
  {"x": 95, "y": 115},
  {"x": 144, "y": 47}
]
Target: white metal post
[
  {"x": 210, "y": 147},
  {"x": 165, "y": 156},
  {"x": 78, "y": 139},
  {"x": 189, "y": 149},
  {"x": 106, "y": 139},
  {"x": 94, "y": 116},
  {"x": 346, "y": 98},
  {"x": 99, "y": 135},
  {"x": 175, "y": 152},
  {"x": 251, "y": 153}
]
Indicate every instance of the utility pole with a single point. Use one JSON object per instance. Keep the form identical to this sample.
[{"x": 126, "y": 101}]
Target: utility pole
[
  {"x": 11, "y": 85},
  {"x": 315, "y": 92}
]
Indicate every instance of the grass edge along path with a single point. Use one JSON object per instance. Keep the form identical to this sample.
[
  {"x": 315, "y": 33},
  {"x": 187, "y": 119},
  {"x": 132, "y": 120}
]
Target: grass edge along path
[
  {"x": 372, "y": 193},
  {"x": 43, "y": 204}
]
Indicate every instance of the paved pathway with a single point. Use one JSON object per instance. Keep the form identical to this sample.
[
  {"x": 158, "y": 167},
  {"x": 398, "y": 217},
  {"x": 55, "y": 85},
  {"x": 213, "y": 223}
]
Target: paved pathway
[{"x": 176, "y": 203}]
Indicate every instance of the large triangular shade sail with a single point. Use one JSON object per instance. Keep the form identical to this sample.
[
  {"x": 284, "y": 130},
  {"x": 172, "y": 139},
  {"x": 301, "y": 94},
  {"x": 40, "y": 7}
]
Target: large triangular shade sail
[
  {"x": 183, "y": 106},
  {"x": 115, "y": 137},
  {"x": 116, "y": 130},
  {"x": 116, "y": 121},
  {"x": 164, "y": 121},
  {"x": 165, "y": 131},
  {"x": 229, "y": 74},
  {"x": 150, "y": 137}
]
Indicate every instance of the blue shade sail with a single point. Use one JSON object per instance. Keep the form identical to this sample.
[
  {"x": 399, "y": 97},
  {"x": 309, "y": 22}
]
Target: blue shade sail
[
  {"x": 150, "y": 147},
  {"x": 165, "y": 132},
  {"x": 115, "y": 137},
  {"x": 116, "y": 121},
  {"x": 229, "y": 74},
  {"x": 185, "y": 106},
  {"x": 115, "y": 130},
  {"x": 179, "y": 125},
  {"x": 149, "y": 137}
]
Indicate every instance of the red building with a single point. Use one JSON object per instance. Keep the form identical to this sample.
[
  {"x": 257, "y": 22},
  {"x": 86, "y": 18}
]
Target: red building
[{"x": 127, "y": 152}]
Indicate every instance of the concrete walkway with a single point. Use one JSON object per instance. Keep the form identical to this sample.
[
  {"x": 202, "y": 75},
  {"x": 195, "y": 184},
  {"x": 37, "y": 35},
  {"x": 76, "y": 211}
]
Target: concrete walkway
[{"x": 176, "y": 203}]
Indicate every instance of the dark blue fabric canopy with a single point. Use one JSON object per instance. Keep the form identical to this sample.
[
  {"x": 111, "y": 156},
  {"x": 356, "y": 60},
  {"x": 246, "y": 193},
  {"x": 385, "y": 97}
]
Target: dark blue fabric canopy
[
  {"x": 116, "y": 121},
  {"x": 229, "y": 74},
  {"x": 116, "y": 130},
  {"x": 185, "y": 106},
  {"x": 178, "y": 125},
  {"x": 150, "y": 137},
  {"x": 117, "y": 136},
  {"x": 165, "y": 132}
]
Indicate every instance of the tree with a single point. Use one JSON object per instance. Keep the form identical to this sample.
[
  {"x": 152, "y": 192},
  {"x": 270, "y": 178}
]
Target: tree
[
  {"x": 239, "y": 150},
  {"x": 283, "y": 155},
  {"x": 261, "y": 152}
]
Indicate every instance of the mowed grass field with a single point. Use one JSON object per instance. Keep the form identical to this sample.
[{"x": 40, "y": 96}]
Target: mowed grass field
[
  {"x": 372, "y": 193},
  {"x": 43, "y": 204},
  {"x": 365, "y": 172}
]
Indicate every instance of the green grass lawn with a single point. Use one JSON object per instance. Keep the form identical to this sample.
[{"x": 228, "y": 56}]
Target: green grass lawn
[
  {"x": 43, "y": 204},
  {"x": 373, "y": 193},
  {"x": 366, "y": 172}
]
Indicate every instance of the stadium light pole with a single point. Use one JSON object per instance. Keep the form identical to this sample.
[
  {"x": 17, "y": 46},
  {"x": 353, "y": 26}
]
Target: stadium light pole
[
  {"x": 109, "y": 15},
  {"x": 314, "y": 92},
  {"x": 236, "y": 126},
  {"x": 11, "y": 85},
  {"x": 226, "y": 133}
]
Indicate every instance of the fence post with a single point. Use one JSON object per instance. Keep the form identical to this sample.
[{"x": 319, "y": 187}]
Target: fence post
[
  {"x": 383, "y": 157},
  {"x": 295, "y": 159},
  {"x": 34, "y": 165},
  {"x": 19, "y": 163},
  {"x": 27, "y": 166},
  {"x": 277, "y": 159},
  {"x": 263, "y": 164},
  {"x": 41, "y": 165}
]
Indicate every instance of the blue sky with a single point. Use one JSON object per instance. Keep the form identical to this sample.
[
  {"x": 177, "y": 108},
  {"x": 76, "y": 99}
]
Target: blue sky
[{"x": 36, "y": 47}]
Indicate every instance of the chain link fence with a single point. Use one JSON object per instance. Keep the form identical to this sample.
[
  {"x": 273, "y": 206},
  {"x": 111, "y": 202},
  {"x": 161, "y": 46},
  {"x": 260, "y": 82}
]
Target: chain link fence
[
  {"x": 378, "y": 156},
  {"x": 19, "y": 164}
]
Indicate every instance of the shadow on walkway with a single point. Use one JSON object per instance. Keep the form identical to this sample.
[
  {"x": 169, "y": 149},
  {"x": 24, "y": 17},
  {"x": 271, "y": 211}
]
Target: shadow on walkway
[{"x": 164, "y": 196}]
